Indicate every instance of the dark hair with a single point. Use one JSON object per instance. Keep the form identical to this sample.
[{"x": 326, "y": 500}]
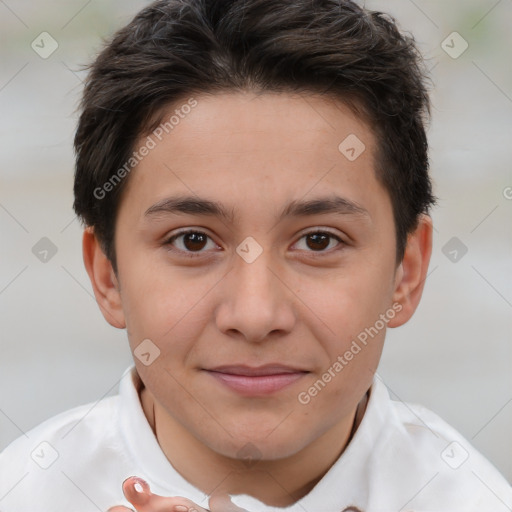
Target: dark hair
[{"x": 173, "y": 49}]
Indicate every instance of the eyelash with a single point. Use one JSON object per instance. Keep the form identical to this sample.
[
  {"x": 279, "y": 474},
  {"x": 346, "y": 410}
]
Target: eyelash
[{"x": 191, "y": 254}]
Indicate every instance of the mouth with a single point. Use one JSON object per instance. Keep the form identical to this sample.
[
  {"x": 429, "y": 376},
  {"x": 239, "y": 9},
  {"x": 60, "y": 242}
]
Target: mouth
[{"x": 256, "y": 381}]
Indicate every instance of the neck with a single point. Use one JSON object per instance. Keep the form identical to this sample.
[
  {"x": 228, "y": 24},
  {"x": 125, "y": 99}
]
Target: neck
[{"x": 278, "y": 483}]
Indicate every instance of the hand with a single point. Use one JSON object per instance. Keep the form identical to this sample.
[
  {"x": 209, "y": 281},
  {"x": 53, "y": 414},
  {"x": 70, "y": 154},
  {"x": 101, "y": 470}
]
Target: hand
[{"x": 137, "y": 492}]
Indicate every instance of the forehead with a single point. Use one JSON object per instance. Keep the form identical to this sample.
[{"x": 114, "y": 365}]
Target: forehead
[
  {"x": 278, "y": 118},
  {"x": 245, "y": 147}
]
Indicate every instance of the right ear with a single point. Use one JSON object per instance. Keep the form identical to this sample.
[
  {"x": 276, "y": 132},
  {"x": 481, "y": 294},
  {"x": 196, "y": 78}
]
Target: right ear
[{"x": 103, "y": 280}]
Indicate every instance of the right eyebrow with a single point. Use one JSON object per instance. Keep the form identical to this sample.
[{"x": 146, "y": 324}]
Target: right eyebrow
[{"x": 190, "y": 205}]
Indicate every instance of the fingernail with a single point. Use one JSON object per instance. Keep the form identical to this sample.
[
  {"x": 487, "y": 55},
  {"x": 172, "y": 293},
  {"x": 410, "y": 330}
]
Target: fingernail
[
  {"x": 136, "y": 479},
  {"x": 140, "y": 485},
  {"x": 136, "y": 490},
  {"x": 180, "y": 508}
]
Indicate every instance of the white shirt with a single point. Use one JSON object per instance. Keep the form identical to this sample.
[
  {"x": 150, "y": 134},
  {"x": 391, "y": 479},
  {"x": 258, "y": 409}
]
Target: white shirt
[{"x": 402, "y": 458}]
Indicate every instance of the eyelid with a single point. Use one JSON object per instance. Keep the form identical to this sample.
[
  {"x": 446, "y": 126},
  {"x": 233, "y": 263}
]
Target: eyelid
[
  {"x": 320, "y": 229},
  {"x": 341, "y": 237},
  {"x": 314, "y": 230},
  {"x": 327, "y": 231},
  {"x": 185, "y": 231},
  {"x": 168, "y": 241}
]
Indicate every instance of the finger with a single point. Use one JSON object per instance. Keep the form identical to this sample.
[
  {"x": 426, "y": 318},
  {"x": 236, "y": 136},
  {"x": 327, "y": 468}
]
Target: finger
[
  {"x": 120, "y": 508},
  {"x": 138, "y": 493},
  {"x": 223, "y": 503}
]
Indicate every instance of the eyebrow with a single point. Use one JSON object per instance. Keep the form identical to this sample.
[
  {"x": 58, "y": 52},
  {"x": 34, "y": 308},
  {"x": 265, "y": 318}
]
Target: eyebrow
[{"x": 199, "y": 206}]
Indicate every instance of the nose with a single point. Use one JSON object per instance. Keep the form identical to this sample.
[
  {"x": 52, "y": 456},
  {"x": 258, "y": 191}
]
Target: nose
[{"x": 256, "y": 303}]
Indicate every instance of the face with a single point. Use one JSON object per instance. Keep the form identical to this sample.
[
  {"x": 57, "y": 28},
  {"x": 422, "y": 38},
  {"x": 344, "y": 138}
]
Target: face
[{"x": 257, "y": 301}]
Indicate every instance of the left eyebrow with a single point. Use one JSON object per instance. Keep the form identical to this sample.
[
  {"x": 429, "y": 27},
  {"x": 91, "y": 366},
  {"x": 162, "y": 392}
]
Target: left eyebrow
[
  {"x": 323, "y": 205},
  {"x": 200, "y": 206}
]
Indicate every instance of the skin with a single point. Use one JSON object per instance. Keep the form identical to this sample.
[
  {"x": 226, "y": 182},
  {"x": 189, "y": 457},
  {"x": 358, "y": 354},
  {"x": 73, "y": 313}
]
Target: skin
[
  {"x": 298, "y": 303},
  {"x": 145, "y": 501}
]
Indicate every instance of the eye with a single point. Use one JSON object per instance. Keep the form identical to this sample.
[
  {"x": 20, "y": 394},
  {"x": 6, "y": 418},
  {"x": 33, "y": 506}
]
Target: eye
[
  {"x": 319, "y": 241},
  {"x": 192, "y": 242}
]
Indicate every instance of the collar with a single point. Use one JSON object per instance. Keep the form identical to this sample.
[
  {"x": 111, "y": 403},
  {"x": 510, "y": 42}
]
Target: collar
[{"x": 351, "y": 467}]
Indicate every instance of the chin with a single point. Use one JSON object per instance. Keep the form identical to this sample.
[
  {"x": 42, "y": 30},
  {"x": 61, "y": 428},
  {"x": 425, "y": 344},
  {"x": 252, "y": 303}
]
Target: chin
[{"x": 259, "y": 446}]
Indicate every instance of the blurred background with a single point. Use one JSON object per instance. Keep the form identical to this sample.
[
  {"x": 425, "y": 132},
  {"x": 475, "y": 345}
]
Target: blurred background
[{"x": 454, "y": 356}]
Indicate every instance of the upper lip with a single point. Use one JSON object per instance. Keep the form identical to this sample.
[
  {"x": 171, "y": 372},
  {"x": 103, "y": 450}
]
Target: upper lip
[{"x": 267, "y": 369}]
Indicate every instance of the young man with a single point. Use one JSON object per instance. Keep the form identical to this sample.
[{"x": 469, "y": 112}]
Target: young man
[{"x": 253, "y": 178}]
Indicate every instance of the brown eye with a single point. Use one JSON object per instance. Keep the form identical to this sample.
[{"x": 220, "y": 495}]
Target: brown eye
[
  {"x": 194, "y": 241},
  {"x": 320, "y": 241},
  {"x": 189, "y": 243}
]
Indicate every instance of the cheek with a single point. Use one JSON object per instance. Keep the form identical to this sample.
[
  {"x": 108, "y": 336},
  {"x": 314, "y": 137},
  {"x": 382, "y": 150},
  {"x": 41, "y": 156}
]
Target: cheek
[
  {"x": 350, "y": 299},
  {"x": 155, "y": 297},
  {"x": 171, "y": 316},
  {"x": 334, "y": 391},
  {"x": 350, "y": 326}
]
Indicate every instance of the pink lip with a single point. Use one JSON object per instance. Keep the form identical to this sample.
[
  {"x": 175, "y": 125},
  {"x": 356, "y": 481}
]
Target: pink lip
[{"x": 262, "y": 380}]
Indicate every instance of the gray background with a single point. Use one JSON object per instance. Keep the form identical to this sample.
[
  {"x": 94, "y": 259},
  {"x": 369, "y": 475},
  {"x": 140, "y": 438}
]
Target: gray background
[{"x": 454, "y": 357}]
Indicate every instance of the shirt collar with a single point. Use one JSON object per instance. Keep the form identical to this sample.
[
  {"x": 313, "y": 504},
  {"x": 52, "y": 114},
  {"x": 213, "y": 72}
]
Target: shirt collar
[{"x": 351, "y": 467}]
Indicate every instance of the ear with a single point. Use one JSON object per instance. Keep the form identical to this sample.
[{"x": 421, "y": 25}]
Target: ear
[
  {"x": 103, "y": 280},
  {"x": 412, "y": 271}
]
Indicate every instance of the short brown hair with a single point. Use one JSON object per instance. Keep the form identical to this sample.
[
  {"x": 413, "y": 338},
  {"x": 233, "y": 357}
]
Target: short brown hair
[{"x": 175, "y": 48}]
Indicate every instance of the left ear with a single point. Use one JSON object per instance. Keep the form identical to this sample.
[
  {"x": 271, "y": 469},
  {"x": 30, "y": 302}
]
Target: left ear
[{"x": 412, "y": 271}]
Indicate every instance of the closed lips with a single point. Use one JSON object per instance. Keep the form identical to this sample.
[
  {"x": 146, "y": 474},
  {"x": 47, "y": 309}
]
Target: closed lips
[{"x": 256, "y": 371}]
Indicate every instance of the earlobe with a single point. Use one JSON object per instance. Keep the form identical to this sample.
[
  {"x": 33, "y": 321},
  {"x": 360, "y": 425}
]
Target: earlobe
[
  {"x": 412, "y": 271},
  {"x": 103, "y": 280}
]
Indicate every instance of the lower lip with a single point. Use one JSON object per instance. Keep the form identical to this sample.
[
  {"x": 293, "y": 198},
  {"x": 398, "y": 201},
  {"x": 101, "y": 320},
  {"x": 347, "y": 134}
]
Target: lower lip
[{"x": 257, "y": 385}]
